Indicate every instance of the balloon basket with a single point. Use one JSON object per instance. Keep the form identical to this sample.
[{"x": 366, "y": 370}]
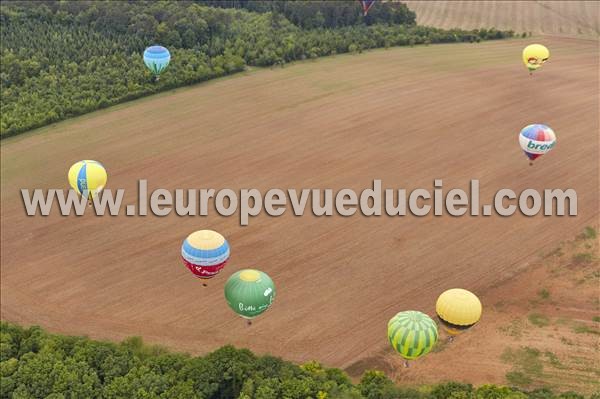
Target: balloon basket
[
  {"x": 450, "y": 339},
  {"x": 530, "y": 163},
  {"x": 204, "y": 285},
  {"x": 248, "y": 323},
  {"x": 406, "y": 364}
]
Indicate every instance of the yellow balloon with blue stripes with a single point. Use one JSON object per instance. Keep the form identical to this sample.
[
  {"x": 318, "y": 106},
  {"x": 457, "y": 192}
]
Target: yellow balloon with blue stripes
[{"x": 87, "y": 178}]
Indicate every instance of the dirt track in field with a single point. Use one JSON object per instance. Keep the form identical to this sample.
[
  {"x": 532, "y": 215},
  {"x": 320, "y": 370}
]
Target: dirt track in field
[
  {"x": 406, "y": 116},
  {"x": 571, "y": 18}
]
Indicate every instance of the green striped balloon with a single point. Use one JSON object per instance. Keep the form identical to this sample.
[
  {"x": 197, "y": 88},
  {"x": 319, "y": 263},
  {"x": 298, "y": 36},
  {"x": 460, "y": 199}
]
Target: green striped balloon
[{"x": 412, "y": 334}]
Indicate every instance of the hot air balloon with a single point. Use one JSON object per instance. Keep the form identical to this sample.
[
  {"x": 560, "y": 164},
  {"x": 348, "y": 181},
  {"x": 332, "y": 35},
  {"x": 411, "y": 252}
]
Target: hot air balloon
[
  {"x": 88, "y": 178},
  {"x": 412, "y": 334},
  {"x": 157, "y": 59},
  {"x": 536, "y": 140},
  {"x": 249, "y": 293},
  {"x": 366, "y": 6},
  {"x": 458, "y": 310},
  {"x": 534, "y": 56},
  {"x": 205, "y": 253}
]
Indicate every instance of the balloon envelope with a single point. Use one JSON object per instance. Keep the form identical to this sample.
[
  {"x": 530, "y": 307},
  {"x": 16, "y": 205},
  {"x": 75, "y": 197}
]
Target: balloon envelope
[
  {"x": 366, "y": 5},
  {"x": 458, "y": 310},
  {"x": 249, "y": 292},
  {"x": 87, "y": 176},
  {"x": 534, "y": 56},
  {"x": 157, "y": 59},
  {"x": 536, "y": 140},
  {"x": 205, "y": 253},
  {"x": 412, "y": 334}
]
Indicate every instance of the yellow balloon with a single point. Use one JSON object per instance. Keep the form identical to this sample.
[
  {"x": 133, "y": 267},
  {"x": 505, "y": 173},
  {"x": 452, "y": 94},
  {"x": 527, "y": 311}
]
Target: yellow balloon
[
  {"x": 87, "y": 176},
  {"x": 534, "y": 56},
  {"x": 458, "y": 310}
]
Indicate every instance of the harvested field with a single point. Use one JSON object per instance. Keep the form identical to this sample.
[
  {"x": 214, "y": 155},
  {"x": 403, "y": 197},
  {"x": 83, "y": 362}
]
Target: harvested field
[
  {"x": 540, "y": 328},
  {"x": 569, "y": 18},
  {"x": 405, "y": 115}
]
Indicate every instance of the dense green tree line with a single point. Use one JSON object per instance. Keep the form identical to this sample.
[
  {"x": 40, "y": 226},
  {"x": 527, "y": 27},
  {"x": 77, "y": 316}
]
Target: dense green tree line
[
  {"x": 61, "y": 59},
  {"x": 35, "y": 364},
  {"x": 325, "y": 13}
]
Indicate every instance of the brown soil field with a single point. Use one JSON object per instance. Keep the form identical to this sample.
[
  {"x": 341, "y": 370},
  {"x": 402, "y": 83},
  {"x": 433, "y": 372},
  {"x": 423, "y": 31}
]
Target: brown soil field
[
  {"x": 404, "y": 115},
  {"x": 540, "y": 328},
  {"x": 572, "y": 18}
]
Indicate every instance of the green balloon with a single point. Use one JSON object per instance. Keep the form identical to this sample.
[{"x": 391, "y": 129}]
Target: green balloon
[
  {"x": 412, "y": 334},
  {"x": 249, "y": 292}
]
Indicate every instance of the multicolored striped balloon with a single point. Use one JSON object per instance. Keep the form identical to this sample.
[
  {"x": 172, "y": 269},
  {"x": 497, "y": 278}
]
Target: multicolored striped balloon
[
  {"x": 249, "y": 292},
  {"x": 458, "y": 310},
  {"x": 88, "y": 178},
  {"x": 205, "y": 253},
  {"x": 412, "y": 334},
  {"x": 157, "y": 59},
  {"x": 536, "y": 140}
]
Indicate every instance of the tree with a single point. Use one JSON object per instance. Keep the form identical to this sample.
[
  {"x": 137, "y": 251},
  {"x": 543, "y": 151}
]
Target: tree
[
  {"x": 443, "y": 391},
  {"x": 494, "y": 392},
  {"x": 374, "y": 385}
]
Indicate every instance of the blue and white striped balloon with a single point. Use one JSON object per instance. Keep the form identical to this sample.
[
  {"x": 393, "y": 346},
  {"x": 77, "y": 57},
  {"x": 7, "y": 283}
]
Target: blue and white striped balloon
[{"x": 157, "y": 59}]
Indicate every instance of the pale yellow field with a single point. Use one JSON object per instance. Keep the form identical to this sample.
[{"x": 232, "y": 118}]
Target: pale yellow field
[{"x": 580, "y": 18}]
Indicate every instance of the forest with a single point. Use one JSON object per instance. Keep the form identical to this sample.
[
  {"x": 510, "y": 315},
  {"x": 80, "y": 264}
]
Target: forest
[
  {"x": 36, "y": 364},
  {"x": 67, "y": 58},
  {"x": 325, "y": 13}
]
